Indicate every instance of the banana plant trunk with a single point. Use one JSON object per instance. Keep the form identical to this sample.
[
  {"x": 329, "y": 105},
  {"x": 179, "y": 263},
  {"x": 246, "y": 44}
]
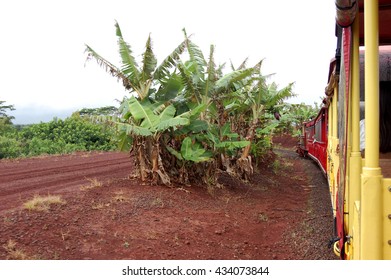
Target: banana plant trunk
[
  {"x": 155, "y": 160},
  {"x": 159, "y": 173},
  {"x": 250, "y": 137},
  {"x": 140, "y": 157},
  {"x": 244, "y": 163}
]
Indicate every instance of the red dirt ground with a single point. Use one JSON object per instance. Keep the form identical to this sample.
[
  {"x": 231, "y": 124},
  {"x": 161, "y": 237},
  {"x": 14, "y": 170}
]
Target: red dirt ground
[{"x": 284, "y": 212}]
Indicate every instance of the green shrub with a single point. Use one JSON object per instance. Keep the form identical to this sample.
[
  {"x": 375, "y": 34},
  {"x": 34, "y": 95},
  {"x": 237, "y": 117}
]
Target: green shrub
[
  {"x": 10, "y": 147},
  {"x": 56, "y": 137}
]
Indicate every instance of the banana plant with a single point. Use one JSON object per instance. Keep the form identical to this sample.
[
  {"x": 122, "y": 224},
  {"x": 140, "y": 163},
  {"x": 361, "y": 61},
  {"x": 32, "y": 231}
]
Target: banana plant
[
  {"x": 147, "y": 122},
  {"x": 144, "y": 115},
  {"x": 227, "y": 145},
  {"x": 139, "y": 80},
  {"x": 296, "y": 114},
  {"x": 251, "y": 103},
  {"x": 188, "y": 110}
]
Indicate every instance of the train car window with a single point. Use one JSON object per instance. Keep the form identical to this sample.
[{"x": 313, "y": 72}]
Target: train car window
[
  {"x": 325, "y": 127},
  {"x": 318, "y": 131}
]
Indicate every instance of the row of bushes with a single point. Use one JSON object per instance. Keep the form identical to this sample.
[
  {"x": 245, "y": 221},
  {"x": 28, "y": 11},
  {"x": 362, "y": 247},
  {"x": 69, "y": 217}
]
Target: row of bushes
[{"x": 55, "y": 137}]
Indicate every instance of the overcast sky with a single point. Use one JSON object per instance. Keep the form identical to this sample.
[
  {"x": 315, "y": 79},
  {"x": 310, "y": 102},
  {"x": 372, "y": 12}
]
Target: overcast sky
[{"x": 43, "y": 72}]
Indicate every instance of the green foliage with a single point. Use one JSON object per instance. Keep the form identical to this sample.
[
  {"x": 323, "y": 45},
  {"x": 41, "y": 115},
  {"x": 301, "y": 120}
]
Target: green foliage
[
  {"x": 101, "y": 111},
  {"x": 185, "y": 120},
  {"x": 225, "y": 141},
  {"x": 193, "y": 151},
  {"x": 10, "y": 147},
  {"x": 71, "y": 134},
  {"x": 293, "y": 115},
  {"x": 5, "y": 119},
  {"x": 264, "y": 137},
  {"x": 56, "y": 137},
  {"x": 4, "y": 108}
]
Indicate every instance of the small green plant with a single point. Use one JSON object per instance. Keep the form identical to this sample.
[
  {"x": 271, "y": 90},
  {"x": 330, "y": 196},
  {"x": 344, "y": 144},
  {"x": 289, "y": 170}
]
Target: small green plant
[
  {"x": 276, "y": 166},
  {"x": 42, "y": 203}
]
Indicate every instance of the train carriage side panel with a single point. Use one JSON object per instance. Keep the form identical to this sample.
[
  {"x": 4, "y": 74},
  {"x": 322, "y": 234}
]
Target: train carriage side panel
[{"x": 317, "y": 140}]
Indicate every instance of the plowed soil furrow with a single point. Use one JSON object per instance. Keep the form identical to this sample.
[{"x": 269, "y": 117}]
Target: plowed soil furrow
[
  {"x": 9, "y": 173},
  {"x": 34, "y": 181},
  {"x": 24, "y": 178}
]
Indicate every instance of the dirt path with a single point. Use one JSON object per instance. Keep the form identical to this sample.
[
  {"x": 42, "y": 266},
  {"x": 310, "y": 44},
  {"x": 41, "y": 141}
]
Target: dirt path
[
  {"x": 283, "y": 213},
  {"x": 311, "y": 237}
]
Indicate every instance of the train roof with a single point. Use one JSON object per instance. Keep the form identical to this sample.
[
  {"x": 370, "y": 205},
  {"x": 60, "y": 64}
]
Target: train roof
[
  {"x": 348, "y": 10},
  {"x": 344, "y": 17}
]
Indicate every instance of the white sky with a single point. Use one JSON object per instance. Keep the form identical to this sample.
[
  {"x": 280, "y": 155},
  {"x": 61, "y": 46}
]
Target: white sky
[{"x": 42, "y": 44}]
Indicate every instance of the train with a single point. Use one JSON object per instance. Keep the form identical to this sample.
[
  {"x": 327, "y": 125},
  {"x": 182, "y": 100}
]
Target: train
[{"x": 350, "y": 138}]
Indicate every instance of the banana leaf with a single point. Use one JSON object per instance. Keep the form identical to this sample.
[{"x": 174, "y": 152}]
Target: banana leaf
[{"x": 193, "y": 151}]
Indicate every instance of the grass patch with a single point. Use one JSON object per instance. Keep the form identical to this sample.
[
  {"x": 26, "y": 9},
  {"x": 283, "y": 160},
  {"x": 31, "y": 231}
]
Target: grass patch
[
  {"x": 42, "y": 203},
  {"x": 94, "y": 183},
  {"x": 279, "y": 166},
  {"x": 276, "y": 166},
  {"x": 13, "y": 252}
]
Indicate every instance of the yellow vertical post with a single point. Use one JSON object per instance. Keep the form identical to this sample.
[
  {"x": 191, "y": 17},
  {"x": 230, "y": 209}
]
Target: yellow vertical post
[
  {"x": 329, "y": 137},
  {"x": 371, "y": 202},
  {"x": 335, "y": 114},
  {"x": 330, "y": 148},
  {"x": 335, "y": 155},
  {"x": 355, "y": 155},
  {"x": 330, "y": 128}
]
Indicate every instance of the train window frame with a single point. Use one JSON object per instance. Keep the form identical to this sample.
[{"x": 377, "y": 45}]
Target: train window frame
[{"x": 318, "y": 130}]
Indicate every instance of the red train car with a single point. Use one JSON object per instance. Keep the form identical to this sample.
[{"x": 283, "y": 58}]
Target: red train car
[{"x": 313, "y": 142}]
